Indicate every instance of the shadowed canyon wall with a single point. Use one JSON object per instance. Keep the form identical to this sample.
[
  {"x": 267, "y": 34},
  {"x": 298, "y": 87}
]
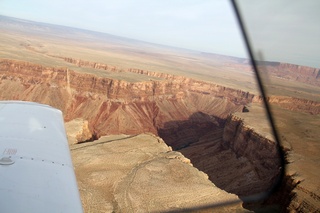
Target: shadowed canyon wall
[
  {"x": 236, "y": 158},
  {"x": 188, "y": 114},
  {"x": 260, "y": 151}
]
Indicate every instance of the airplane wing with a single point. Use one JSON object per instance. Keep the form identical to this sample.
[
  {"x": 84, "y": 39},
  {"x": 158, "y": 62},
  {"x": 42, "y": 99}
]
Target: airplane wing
[{"x": 36, "y": 171}]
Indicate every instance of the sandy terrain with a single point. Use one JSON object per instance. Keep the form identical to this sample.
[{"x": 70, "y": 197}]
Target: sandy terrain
[{"x": 137, "y": 164}]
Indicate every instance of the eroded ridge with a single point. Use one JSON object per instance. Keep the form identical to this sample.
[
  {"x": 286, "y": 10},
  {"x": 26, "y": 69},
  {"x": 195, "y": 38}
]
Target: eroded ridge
[
  {"x": 131, "y": 107},
  {"x": 192, "y": 116}
]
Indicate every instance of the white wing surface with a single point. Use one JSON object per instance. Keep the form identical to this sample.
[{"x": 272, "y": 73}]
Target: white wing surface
[{"x": 36, "y": 172}]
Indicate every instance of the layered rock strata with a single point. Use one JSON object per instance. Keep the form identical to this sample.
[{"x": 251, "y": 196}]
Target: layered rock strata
[
  {"x": 261, "y": 152},
  {"x": 293, "y": 104},
  {"x": 188, "y": 114},
  {"x": 116, "y": 106},
  {"x": 304, "y": 74},
  {"x": 236, "y": 158},
  {"x": 287, "y": 71}
]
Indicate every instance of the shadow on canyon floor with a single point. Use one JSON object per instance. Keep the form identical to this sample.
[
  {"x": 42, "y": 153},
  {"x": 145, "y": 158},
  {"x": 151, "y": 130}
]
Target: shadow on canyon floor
[
  {"x": 181, "y": 134},
  {"x": 279, "y": 201},
  {"x": 200, "y": 138}
]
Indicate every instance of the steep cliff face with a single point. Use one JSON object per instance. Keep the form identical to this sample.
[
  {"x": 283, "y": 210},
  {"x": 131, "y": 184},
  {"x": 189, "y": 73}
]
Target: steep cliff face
[
  {"x": 293, "y": 104},
  {"x": 298, "y": 189},
  {"x": 188, "y": 114},
  {"x": 296, "y": 104},
  {"x": 259, "y": 150},
  {"x": 116, "y": 106},
  {"x": 293, "y": 72}
]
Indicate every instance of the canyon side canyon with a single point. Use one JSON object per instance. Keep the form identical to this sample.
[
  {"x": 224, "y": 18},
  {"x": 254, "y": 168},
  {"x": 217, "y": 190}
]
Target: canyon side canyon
[
  {"x": 193, "y": 117},
  {"x": 146, "y": 136}
]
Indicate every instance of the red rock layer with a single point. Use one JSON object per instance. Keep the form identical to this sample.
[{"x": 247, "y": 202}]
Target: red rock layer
[
  {"x": 293, "y": 104},
  {"x": 115, "y": 106},
  {"x": 259, "y": 150},
  {"x": 294, "y": 72}
]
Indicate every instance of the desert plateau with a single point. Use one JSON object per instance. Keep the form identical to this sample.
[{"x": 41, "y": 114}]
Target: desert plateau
[{"x": 154, "y": 128}]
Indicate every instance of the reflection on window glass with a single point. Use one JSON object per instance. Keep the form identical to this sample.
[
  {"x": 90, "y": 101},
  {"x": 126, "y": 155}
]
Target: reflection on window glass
[
  {"x": 160, "y": 101},
  {"x": 284, "y": 36}
]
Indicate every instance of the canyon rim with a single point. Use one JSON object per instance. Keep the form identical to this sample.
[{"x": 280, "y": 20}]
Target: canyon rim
[{"x": 166, "y": 129}]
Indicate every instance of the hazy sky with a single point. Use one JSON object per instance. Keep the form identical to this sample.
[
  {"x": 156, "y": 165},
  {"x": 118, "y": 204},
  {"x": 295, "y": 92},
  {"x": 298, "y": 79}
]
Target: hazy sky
[
  {"x": 285, "y": 30},
  {"x": 205, "y": 25}
]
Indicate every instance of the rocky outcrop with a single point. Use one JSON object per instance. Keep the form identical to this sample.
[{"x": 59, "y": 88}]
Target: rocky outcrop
[
  {"x": 114, "y": 106},
  {"x": 82, "y": 63},
  {"x": 287, "y": 71},
  {"x": 294, "y": 72},
  {"x": 259, "y": 150},
  {"x": 236, "y": 157},
  {"x": 78, "y": 131},
  {"x": 293, "y": 104},
  {"x": 188, "y": 114},
  {"x": 142, "y": 174},
  {"x": 296, "y": 104}
]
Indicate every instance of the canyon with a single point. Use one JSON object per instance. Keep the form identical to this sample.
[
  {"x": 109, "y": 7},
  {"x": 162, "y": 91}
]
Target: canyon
[
  {"x": 158, "y": 129},
  {"x": 131, "y": 107},
  {"x": 197, "y": 118}
]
